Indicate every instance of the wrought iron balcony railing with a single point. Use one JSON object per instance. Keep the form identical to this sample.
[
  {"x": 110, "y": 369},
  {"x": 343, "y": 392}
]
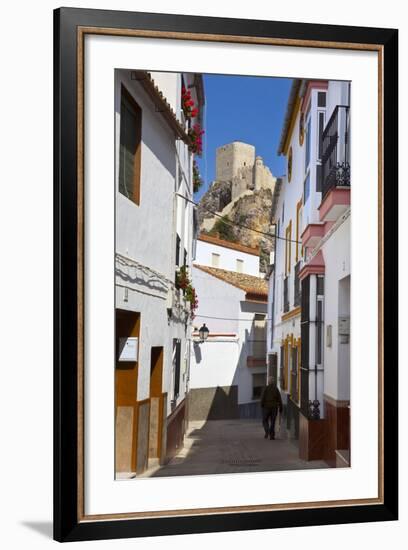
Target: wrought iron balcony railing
[{"x": 335, "y": 171}]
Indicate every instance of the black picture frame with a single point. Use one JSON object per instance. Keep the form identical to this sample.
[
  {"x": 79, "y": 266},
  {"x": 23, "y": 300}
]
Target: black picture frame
[{"x": 67, "y": 525}]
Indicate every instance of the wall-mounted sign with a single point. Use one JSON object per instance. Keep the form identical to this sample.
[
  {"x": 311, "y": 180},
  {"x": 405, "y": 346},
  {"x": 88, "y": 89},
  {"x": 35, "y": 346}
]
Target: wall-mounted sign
[{"x": 128, "y": 348}]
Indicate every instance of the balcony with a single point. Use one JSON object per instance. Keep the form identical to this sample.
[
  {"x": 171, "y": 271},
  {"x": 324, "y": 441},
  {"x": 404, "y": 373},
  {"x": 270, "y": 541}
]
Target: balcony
[
  {"x": 335, "y": 171},
  {"x": 312, "y": 234}
]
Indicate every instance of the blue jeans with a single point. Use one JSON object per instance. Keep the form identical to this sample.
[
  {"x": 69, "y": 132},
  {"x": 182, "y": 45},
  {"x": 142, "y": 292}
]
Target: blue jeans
[{"x": 269, "y": 419}]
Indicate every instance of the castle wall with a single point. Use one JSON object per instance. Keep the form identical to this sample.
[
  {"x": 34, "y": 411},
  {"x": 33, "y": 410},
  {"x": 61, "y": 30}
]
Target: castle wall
[{"x": 231, "y": 158}]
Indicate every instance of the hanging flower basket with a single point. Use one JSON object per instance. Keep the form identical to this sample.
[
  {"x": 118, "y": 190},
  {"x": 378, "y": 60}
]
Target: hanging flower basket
[
  {"x": 191, "y": 297},
  {"x": 195, "y": 134},
  {"x": 182, "y": 278},
  {"x": 190, "y": 110}
]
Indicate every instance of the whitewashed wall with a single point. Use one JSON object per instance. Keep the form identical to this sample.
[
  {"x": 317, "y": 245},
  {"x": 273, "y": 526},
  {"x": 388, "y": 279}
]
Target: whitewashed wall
[
  {"x": 228, "y": 258},
  {"x": 218, "y": 303},
  {"x": 146, "y": 233},
  {"x": 223, "y": 361},
  {"x": 336, "y": 253},
  {"x": 214, "y": 362}
]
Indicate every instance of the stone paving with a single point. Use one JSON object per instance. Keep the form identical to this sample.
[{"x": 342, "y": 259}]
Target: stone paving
[{"x": 233, "y": 446}]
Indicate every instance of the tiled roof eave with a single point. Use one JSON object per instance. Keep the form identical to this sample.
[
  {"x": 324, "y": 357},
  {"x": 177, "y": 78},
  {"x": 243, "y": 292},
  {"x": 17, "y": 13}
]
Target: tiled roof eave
[
  {"x": 256, "y": 297},
  {"x": 230, "y": 277},
  {"x": 147, "y": 82}
]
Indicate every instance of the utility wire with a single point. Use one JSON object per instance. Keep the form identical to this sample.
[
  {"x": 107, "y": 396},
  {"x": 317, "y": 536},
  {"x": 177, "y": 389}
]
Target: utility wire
[{"x": 227, "y": 221}]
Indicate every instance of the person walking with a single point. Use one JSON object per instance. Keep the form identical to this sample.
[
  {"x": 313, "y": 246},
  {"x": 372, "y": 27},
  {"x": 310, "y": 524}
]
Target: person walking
[{"x": 271, "y": 403}]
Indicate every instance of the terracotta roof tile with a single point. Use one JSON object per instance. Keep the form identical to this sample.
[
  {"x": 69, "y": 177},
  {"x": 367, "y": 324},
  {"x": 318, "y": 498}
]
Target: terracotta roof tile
[{"x": 255, "y": 287}]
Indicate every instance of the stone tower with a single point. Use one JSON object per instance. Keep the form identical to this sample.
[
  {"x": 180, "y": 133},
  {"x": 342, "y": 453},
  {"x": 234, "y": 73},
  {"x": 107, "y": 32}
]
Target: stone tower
[
  {"x": 231, "y": 158},
  {"x": 236, "y": 163}
]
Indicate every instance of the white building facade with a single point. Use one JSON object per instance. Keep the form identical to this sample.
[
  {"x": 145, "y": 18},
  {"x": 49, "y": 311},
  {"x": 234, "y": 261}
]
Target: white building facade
[
  {"x": 154, "y": 239},
  {"x": 228, "y": 370},
  {"x": 309, "y": 283}
]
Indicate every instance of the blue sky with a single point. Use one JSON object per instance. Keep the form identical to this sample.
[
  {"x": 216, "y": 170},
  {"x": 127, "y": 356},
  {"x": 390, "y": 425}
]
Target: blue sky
[{"x": 243, "y": 108}]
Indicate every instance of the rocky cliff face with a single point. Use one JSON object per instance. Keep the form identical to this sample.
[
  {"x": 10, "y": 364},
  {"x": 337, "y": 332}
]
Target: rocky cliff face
[
  {"x": 251, "y": 210},
  {"x": 215, "y": 199}
]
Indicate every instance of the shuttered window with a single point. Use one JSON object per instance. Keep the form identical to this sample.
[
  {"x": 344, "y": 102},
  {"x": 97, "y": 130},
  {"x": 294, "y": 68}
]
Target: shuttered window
[{"x": 130, "y": 147}]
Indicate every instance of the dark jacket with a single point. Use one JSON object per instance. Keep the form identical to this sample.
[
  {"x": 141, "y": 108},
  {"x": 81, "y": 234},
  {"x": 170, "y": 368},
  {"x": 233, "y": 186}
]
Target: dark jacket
[{"x": 271, "y": 397}]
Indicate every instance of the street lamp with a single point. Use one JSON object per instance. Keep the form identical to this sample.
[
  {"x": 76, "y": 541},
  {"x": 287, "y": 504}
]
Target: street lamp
[{"x": 203, "y": 333}]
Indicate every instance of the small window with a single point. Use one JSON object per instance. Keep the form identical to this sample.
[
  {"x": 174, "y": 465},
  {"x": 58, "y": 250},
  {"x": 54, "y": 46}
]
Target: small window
[
  {"x": 321, "y": 99},
  {"x": 240, "y": 266},
  {"x": 215, "y": 260},
  {"x": 130, "y": 147}
]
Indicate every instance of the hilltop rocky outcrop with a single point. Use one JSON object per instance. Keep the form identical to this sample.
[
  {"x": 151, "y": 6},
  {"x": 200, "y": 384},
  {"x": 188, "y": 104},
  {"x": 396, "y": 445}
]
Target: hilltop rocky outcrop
[{"x": 239, "y": 220}]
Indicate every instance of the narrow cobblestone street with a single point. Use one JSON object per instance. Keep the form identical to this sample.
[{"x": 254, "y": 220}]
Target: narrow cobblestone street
[{"x": 233, "y": 446}]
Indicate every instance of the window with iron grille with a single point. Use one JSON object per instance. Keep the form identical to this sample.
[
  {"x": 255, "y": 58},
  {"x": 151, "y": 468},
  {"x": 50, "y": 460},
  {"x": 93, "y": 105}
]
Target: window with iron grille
[
  {"x": 319, "y": 319},
  {"x": 304, "y": 356},
  {"x": 319, "y": 331}
]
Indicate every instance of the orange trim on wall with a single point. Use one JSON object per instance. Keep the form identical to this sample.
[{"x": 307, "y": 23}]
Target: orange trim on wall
[
  {"x": 291, "y": 126},
  {"x": 290, "y": 314}
]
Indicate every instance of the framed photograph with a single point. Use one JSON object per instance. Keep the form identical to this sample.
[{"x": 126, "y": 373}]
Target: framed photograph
[{"x": 225, "y": 274}]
